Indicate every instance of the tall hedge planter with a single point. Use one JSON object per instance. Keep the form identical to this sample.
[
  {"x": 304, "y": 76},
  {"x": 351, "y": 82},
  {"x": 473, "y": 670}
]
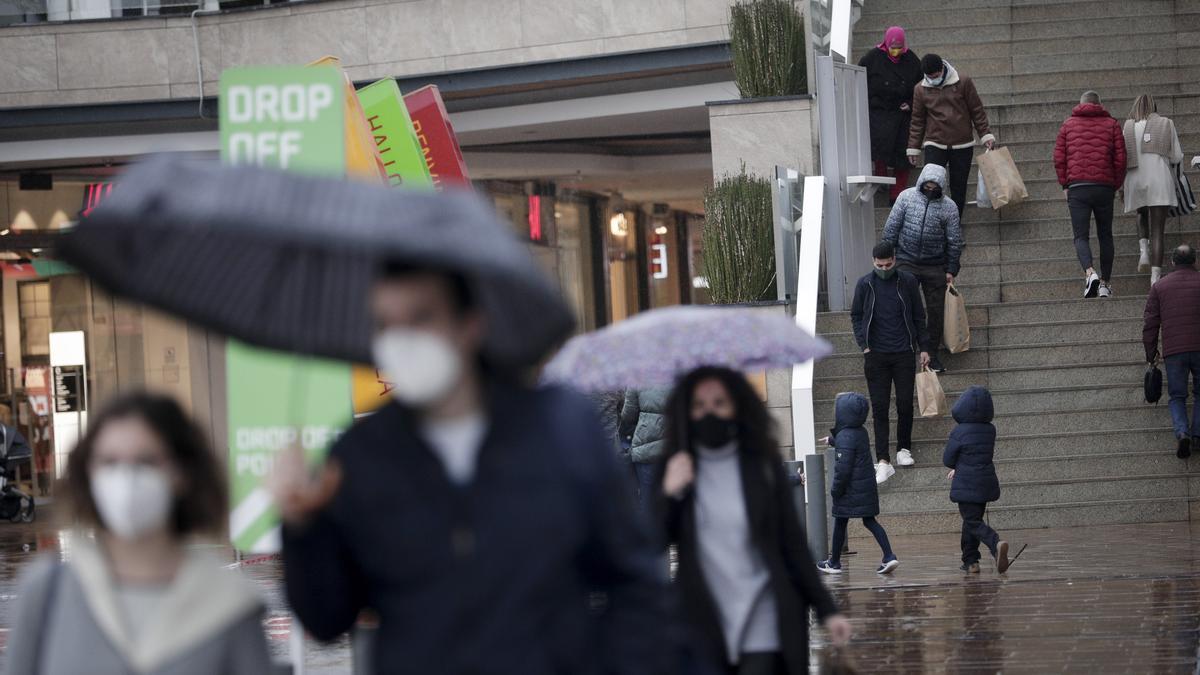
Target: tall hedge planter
[
  {"x": 738, "y": 240},
  {"x": 769, "y": 49}
]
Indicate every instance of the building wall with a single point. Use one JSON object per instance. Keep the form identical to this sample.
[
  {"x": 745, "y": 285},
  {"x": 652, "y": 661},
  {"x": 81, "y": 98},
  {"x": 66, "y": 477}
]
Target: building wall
[{"x": 155, "y": 58}]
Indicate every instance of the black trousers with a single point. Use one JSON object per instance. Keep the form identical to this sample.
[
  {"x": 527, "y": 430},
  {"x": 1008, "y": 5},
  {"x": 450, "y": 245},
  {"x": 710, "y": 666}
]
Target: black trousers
[
  {"x": 958, "y": 165},
  {"x": 759, "y": 663},
  {"x": 975, "y": 531},
  {"x": 933, "y": 287},
  {"x": 1085, "y": 201},
  {"x": 883, "y": 371}
]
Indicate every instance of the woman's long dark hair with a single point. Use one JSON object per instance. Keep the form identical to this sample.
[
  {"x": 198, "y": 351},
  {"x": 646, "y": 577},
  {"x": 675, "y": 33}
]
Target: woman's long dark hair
[{"x": 756, "y": 429}]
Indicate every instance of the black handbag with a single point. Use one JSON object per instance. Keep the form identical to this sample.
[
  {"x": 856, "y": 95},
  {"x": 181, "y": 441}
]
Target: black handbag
[{"x": 1153, "y": 384}]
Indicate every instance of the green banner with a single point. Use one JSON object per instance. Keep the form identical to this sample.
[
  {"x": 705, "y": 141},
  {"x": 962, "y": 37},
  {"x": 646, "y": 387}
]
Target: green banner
[
  {"x": 290, "y": 118},
  {"x": 283, "y": 117},
  {"x": 394, "y": 134}
]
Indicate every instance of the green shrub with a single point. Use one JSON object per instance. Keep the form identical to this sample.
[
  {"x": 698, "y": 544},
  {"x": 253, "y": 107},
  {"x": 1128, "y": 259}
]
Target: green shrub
[
  {"x": 767, "y": 38},
  {"x": 738, "y": 239}
]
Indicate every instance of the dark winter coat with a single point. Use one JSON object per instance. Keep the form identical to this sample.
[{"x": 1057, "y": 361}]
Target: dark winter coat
[
  {"x": 780, "y": 540},
  {"x": 1174, "y": 306},
  {"x": 862, "y": 311},
  {"x": 493, "y": 577},
  {"x": 926, "y": 231},
  {"x": 970, "y": 449},
  {"x": 643, "y": 423},
  {"x": 855, "y": 493},
  {"x": 889, "y": 85},
  {"x": 1090, "y": 148}
]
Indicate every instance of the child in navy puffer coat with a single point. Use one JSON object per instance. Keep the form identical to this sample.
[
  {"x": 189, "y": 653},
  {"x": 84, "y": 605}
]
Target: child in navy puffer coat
[
  {"x": 968, "y": 455},
  {"x": 855, "y": 493}
]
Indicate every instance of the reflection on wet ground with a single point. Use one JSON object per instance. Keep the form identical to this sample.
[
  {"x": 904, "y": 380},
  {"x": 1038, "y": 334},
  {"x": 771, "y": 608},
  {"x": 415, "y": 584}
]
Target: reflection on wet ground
[{"x": 1122, "y": 599}]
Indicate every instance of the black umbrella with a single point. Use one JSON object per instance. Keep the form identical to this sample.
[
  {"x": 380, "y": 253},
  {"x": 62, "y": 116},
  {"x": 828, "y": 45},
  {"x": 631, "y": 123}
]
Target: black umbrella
[{"x": 286, "y": 261}]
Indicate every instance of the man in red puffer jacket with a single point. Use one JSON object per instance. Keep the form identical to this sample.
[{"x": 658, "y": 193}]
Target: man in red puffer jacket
[{"x": 1089, "y": 157}]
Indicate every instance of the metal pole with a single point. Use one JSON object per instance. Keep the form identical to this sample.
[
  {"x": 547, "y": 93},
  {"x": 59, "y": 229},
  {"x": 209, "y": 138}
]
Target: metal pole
[
  {"x": 792, "y": 469},
  {"x": 363, "y": 648},
  {"x": 818, "y": 529}
]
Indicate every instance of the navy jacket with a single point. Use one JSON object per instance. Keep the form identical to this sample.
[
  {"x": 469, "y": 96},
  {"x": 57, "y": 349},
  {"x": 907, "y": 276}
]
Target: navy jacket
[
  {"x": 855, "y": 493},
  {"x": 862, "y": 312},
  {"x": 970, "y": 448},
  {"x": 493, "y": 577}
]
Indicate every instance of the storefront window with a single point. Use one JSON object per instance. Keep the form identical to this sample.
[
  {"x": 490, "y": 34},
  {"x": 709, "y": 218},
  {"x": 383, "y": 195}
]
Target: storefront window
[
  {"x": 35, "y": 318},
  {"x": 622, "y": 237},
  {"x": 663, "y": 261},
  {"x": 558, "y": 230}
]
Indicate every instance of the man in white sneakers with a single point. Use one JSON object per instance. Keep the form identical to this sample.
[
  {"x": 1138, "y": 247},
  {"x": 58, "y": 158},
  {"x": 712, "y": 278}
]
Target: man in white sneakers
[{"x": 889, "y": 326}]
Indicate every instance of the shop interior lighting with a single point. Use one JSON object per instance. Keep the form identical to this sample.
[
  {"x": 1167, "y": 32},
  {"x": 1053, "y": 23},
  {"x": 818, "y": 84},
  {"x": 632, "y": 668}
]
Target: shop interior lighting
[
  {"x": 660, "y": 230},
  {"x": 619, "y": 225}
]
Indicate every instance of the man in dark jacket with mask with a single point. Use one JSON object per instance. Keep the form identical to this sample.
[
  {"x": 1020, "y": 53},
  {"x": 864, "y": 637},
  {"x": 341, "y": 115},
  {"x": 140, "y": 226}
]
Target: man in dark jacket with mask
[
  {"x": 889, "y": 326},
  {"x": 1174, "y": 307},
  {"x": 474, "y": 515},
  {"x": 924, "y": 228},
  {"x": 968, "y": 455}
]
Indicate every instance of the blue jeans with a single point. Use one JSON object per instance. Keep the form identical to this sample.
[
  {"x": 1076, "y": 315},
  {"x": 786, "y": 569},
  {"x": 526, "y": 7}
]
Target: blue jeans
[
  {"x": 1178, "y": 367},
  {"x": 645, "y": 473}
]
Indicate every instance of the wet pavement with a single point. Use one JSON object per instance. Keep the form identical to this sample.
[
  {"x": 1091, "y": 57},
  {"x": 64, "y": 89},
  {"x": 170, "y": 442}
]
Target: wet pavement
[
  {"x": 1123, "y": 599},
  {"x": 1120, "y": 599}
]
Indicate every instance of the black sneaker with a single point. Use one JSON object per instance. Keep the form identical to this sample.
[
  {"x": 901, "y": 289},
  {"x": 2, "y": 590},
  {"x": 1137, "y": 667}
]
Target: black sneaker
[
  {"x": 1185, "y": 448},
  {"x": 1091, "y": 285},
  {"x": 935, "y": 364}
]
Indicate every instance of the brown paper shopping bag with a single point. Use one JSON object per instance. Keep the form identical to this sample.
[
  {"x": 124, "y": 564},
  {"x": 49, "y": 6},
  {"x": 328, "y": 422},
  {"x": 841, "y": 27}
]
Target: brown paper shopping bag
[
  {"x": 956, "y": 330},
  {"x": 1004, "y": 184},
  {"x": 930, "y": 397}
]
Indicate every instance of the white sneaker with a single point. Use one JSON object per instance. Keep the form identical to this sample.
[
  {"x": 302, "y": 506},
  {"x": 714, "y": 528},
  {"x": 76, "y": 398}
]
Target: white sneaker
[
  {"x": 1091, "y": 285},
  {"x": 1144, "y": 258},
  {"x": 883, "y": 471},
  {"x": 1105, "y": 291},
  {"x": 904, "y": 458}
]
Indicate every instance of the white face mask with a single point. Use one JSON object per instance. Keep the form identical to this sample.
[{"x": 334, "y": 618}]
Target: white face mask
[
  {"x": 132, "y": 499},
  {"x": 422, "y": 368}
]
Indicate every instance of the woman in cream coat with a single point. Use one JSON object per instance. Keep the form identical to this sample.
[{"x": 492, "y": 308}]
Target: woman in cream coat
[{"x": 1152, "y": 149}]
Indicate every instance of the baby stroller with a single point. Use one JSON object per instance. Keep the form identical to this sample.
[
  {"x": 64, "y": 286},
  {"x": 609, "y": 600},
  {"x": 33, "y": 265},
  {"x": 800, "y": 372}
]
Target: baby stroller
[{"x": 15, "y": 505}]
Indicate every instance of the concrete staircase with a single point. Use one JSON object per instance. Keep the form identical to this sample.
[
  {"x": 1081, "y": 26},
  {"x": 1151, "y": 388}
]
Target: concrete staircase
[{"x": 1077, "y": 446}]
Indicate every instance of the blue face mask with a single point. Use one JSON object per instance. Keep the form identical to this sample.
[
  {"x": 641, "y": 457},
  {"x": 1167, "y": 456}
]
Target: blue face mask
[{"x": 938, "y": 82}]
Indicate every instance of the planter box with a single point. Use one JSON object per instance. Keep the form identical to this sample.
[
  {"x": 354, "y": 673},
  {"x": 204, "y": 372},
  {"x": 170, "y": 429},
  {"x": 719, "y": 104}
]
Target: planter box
[{"x": 763, "y": 133}]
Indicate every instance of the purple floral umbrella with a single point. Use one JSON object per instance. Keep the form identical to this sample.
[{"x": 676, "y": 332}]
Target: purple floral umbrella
[{"x": 655, "y": 348}]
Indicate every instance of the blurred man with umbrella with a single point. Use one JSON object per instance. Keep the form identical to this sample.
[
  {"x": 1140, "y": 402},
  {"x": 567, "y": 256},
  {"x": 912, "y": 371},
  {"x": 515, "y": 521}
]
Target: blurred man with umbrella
[{"x": 475, "y": 515}]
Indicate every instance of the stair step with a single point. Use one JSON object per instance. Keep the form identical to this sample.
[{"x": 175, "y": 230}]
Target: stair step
[
  {"x": 1007, "y": 356},
  {"x": 1160, "y": 439},
  {"x": 1032, "y": 516},
  {"x": 825, "y": 388},
  {"x": 1051, "y": 108},
  {"x": 1051, "y": 289},
  {"x": 1060, "y": 468},
  {"x": 1140, "y": 486},
  {"x": 1100, "y": 395},
  {"x": 921, "y": 31},
  {"x": 1012, "y": 313},
  {"x": 1100, "y": 420}
]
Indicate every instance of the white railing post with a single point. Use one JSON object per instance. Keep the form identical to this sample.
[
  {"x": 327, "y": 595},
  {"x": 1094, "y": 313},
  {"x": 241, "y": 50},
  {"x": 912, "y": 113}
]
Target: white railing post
[{"x": 807, "y": 284}]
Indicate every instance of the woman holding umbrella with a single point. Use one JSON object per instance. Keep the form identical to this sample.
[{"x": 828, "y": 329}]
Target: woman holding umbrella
[{"x": 745, "y": 573}]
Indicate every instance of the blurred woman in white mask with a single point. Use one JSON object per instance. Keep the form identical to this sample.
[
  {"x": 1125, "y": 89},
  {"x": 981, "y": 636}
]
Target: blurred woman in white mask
[{"x": 139, "y": 598}]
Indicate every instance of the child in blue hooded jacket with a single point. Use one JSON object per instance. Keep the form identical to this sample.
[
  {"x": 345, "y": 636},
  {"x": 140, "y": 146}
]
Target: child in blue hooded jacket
[
  {"x": 968, "y": 455},
  {"x": 855, "y": 492}
]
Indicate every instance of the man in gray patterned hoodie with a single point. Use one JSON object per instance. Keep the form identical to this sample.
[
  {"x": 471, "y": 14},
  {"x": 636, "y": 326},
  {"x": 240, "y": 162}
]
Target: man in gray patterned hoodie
[{"x": 924, "y": 228}]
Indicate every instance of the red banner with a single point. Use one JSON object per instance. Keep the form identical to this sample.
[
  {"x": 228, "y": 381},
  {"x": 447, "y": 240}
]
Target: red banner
[{"x": 438, "y": 143}]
